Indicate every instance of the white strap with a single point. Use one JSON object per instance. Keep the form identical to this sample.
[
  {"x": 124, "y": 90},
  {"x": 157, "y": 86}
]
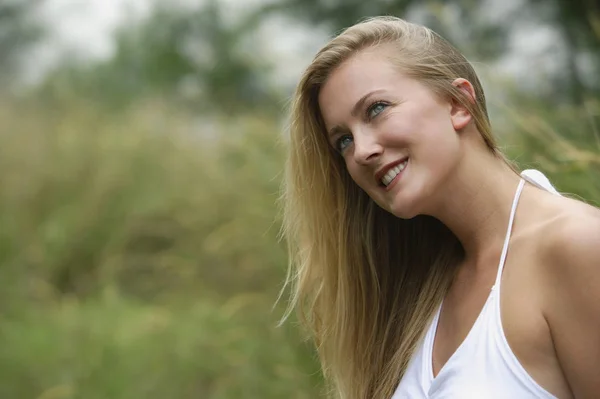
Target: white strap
[
  {"x": 537, "y": 178},
  {"x": 508, "y": 232}
]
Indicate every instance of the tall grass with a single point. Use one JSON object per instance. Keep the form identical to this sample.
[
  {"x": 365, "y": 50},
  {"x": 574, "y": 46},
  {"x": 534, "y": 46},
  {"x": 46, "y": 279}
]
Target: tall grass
[
  {"x": 139, "y": 258},
  {"x": 563, "y": 142},
  {"x": 91, "y": 200},
  {"x": 139, "y": 255},
  {"x": 123, "y": 349}
]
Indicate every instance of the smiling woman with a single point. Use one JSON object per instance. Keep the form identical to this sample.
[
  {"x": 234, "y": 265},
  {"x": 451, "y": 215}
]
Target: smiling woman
[
  {"x": 397, "y": 112},
  {"x": 399, "y": 212}
]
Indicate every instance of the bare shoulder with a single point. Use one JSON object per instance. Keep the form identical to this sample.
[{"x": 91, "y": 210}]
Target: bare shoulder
[
  {"x": 571, "y": 280},
  {"x": 572, "y": 238},
  {"x": 569, "y": 246}
]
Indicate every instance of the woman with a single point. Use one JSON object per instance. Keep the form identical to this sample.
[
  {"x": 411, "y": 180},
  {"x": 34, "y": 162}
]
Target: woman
[{"x": 423, "y": 264}]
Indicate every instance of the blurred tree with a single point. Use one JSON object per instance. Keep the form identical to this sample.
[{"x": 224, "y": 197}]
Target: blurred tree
[
  {"x": 18, "y": 31},
  {"x": 460, "y": 21},
  {"x": 481, "y": 36},
  {"x": 192, "y": 56},
  {"x": 578, "y": 22}
]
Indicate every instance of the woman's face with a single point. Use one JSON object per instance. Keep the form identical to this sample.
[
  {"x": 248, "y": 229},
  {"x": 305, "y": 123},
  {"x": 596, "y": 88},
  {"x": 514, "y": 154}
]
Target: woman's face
[{"x": 399, "y": 141}]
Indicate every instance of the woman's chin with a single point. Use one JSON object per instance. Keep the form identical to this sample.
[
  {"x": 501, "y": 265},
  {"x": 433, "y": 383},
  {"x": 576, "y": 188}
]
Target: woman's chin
[
  {"x": 405, "y": 206},
  {"x": 404, "y": 210},
  {"x": 405, "y": 214}
]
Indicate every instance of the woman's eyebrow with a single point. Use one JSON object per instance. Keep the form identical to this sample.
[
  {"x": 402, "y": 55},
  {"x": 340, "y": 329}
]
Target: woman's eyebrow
[
  {"x": 338, "y": 129},
  {"x": 355, "y": 109},
  {"x": 361, "y": 102}
]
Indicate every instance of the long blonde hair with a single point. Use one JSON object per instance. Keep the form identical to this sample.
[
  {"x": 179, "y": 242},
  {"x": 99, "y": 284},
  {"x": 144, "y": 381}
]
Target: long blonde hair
[{"x": 366, "y": 283}]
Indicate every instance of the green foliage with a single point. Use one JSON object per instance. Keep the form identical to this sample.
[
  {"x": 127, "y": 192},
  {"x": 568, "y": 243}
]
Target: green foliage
[
  {"x": 563, "y": 142},
  {"x": 18, "y": 31},
  {"x": 578, "y": 23},
  {"x": 92, "y": 200},
  {"x": 192, "y": 57},
  {"x": 478, "y": 36},
  {"x": 140, "y": 258},
  {"x": 139, "y": 251},
  {"x": 119, "y": 349}
]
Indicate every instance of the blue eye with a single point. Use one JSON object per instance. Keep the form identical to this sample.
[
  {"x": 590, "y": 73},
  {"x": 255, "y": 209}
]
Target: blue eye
[
  {"x": 375, "y": 109},
  {"x": 343, "y": 142}
]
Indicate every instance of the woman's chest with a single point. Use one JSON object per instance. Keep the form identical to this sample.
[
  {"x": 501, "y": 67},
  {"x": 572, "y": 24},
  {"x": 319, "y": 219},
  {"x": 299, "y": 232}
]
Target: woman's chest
[{"x": 512, "y": 314}]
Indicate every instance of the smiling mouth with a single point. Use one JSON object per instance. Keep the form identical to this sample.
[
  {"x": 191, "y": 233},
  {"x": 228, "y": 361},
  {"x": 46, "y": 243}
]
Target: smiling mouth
[{"x": 393, "y": 174}]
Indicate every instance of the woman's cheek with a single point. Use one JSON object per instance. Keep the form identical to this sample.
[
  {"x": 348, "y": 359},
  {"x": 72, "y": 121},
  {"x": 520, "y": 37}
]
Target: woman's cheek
[{"x": 396, "y": 125}]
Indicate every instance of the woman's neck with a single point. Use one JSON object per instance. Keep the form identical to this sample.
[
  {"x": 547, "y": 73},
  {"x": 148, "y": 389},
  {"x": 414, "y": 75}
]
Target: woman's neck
[{"x": 475, "y": 203}]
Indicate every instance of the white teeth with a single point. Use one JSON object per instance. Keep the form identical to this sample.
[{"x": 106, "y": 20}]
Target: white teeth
[{"x": 393, "y": 172}]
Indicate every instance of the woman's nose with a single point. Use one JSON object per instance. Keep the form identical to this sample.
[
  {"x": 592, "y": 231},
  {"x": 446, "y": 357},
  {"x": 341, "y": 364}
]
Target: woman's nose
[{"x": 366, "y": 148}]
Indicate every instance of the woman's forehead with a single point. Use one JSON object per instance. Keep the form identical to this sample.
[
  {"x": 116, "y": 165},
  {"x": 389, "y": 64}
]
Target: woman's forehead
[{"x": 355, "y": 78}]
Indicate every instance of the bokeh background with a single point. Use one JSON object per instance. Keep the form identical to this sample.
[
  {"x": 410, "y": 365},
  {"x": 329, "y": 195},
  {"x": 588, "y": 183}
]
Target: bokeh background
[{"x": 141, "y": 154}]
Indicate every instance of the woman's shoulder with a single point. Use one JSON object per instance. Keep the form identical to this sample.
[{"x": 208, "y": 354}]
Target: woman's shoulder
[
  {"x": 570, "y": 277},
  {"x": 563, "y": 239},
  {"x": 572, "y": 233},
  {"x": 560, "y": 226}
]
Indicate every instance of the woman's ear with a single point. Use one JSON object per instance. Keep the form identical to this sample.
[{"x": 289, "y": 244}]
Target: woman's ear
[{"x": 459, "y": 114}]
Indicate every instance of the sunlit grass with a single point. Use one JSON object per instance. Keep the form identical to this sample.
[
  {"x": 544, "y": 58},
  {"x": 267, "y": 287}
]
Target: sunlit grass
[
  {"x": 564, "y": 143},
  {"x": 139, "y": 252},
  {"x": 118, "y": 348},
  {"x": 140, "y": 259}
]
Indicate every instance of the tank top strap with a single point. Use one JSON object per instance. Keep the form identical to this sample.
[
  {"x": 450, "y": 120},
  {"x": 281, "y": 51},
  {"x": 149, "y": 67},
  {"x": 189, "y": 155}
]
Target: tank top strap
[
  {"x": 511, "y": 220},
  {"x": 538, "y": 179}
]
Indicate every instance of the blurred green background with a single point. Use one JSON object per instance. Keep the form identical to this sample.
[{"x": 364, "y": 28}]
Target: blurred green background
[{"x": 141, "y": 154}]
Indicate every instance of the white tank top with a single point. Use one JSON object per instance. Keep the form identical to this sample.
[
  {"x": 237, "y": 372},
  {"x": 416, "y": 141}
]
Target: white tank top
[{"x": 483, "y": 366}]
